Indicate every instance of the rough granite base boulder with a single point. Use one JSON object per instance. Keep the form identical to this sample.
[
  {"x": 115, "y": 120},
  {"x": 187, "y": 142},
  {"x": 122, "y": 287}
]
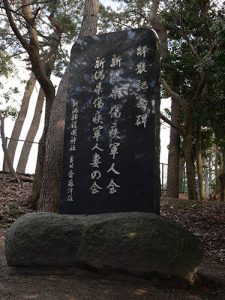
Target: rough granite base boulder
[{"x": 138, "y": 243}]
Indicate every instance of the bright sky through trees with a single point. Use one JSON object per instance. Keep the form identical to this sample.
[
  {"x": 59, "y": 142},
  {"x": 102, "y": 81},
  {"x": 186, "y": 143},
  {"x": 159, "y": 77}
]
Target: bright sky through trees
[{"x": 14, "y": 81}]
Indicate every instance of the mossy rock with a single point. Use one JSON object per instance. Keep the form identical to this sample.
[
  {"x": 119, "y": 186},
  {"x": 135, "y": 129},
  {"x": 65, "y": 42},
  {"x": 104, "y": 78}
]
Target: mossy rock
[{"x": 137, "y": 243}]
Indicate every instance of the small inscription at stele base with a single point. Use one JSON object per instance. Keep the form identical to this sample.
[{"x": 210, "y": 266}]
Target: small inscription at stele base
[{"x": 111, "y": 140}]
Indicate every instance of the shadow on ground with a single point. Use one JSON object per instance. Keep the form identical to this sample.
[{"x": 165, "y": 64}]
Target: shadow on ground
[{"x": 77, "y": 284}]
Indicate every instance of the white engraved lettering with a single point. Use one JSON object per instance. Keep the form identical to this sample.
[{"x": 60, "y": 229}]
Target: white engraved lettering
[
  {"x": 96, "y": 175},
  {"x": 112, "y": 169},
  {"x": 96, "y": 160},
  {"x": 99, "y": 63},
  {"x": 99, "y": 75},
  {"x": 141, "y": 68},
  {"x": 97, "y": 119},
  {"x": 115, "y": 111},
  {"x": 96, "y": 147},
  {"x": 141, "y": 51},
  {"x": 114, "y": 132},
  {"x": 116, "y": 61},
  {"x": 113, "y": 149},
  {"x": 98, "y": 88},
  {"x": 97, "y": 132},
  {"x": 95, "y": 188},
  {"x": 112, "y": 187},
  {"x": 98, "y": 103},
  {"x": 142, "y": 119}
]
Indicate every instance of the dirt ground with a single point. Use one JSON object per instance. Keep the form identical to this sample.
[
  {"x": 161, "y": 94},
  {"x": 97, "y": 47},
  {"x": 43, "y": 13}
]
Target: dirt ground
[{"x": 206, "y": 220}]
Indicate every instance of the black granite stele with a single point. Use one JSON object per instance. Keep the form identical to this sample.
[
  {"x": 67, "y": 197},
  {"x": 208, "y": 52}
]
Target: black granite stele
[{"x": 111, "y": 142}]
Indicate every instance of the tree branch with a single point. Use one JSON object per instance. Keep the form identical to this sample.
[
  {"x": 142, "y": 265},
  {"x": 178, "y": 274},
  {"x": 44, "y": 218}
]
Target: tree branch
[
  {"x": 37, "y": 3},
  {"x": 185, "y": 34},
  {"x": 34, "y": 43},
  {"x": 178, "y": 128},
  {"x": 173, "y": 94},
  {"x": 14, "y": 27},
  {"x": 138, "y": 13},
  {"x": 36, "y": 13},
  {"x": 201, "y": 86}
]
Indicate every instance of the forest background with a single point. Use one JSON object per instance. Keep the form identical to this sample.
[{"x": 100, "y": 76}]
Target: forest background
[{"x": 192, "y": 37}]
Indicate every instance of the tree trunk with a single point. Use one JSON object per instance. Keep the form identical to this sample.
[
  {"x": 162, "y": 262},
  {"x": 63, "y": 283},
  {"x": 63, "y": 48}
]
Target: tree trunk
[
  {"x": 36, "y": 188},
  {"x": 217, "y": 159},
  {"x": 206, "y": 179},
  {"x": 4, "y": 166},
  {"x": 222, "y": 177},
  {"x": 50, "y": 192},
  {"x": 155, "y": 22},
  {"x": 20, "y": 118},
  {"x": 174, "y": 154},
  {"x": 4, "y": 147},
  {"x": 181, "y": 175},
  {"x": 40, "y": 67},
  {"x": 21, "y": 167},
  {"x": 192, "y": 194},
  {"x": 199, "y": 164},
  {"x": 90, "y": 19}
]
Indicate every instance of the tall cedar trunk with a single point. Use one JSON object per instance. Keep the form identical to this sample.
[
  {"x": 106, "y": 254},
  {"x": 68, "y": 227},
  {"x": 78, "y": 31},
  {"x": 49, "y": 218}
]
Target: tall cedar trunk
[
  {"x": 174, "y": 154},
  {"x": 192, "y": 194},
  {"x": 217, "y": 168},
  {"x": 4, "y": 147},
  {"x": 181, "y": 175},
  {"x": 40, "y": 68},
  {"x": 50, "y": 192},
  {"x": 216, "y": 160},
  {"x": 36, "y": 188},
  {"x": 222, "y": 177},
  {"x": 210, "y": 173},
  {"x": 21, "y": 167},
  {"x": 20, "y": 118},
  {"x": 206, "y": 180},
  {"x": 199, "y": 164}
]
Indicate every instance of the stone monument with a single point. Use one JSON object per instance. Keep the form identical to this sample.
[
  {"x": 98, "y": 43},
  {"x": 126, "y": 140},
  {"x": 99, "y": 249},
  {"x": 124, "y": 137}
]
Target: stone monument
[
  {"x": 110, "y": 174},
  {"x": 111, "y": 141}
]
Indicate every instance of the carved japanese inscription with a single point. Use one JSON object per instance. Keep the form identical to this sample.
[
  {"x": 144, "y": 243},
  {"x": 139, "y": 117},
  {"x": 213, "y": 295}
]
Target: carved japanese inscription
[{"x": 111, "y": 141}]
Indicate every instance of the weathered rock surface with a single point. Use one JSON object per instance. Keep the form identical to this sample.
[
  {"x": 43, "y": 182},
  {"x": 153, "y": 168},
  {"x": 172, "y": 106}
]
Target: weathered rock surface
[{"x": 138, "y": 243}]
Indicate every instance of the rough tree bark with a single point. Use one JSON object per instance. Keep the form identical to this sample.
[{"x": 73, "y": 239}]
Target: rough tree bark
[
  {"x": 4, "y": 147},
  {"x": 219, "y": 130},
  {"x": 217, "y": 156},
  {"x": 20, "y": 118},
  {"x": 40, "y": 68},
  {"x": 222, "y": 177},
  {"x": 181, "y": 175},
  {"x": 174, "y": 147},
  {"x": 50, "y": 192},
  {"x": 186, "y": 132},
  {"x": 192, "y": 194},
  {"x": 24, "y": 155},
  {"x": 189, "y": 103},
  {"x": 174, "y": 154},
  {"x": 157, "y": 26},
  {"x": 200, "y": 164},
  {"x": 189, "y": 156}
]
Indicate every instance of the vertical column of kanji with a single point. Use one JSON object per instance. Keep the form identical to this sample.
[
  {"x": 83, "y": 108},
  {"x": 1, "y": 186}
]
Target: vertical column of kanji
[
  {"x": 142, "y": 102},
  {"x": 98, "y": 126},
  {"x": 114, "y": 113},
  {"x": 72, "y": 149}
]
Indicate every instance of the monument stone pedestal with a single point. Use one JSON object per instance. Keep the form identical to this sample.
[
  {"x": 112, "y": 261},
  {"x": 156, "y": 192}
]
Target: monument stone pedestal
[{"x": 136, "y": 243}]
